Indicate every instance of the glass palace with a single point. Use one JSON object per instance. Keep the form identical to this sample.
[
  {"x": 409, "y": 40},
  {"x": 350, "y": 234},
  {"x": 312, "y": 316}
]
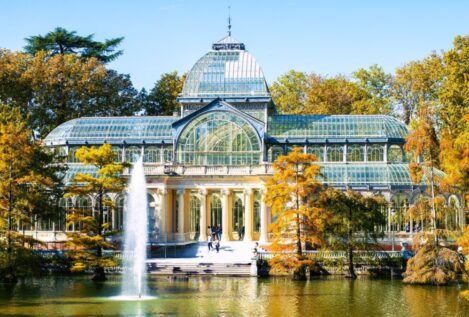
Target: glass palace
[{"x": 207, "y": 165}]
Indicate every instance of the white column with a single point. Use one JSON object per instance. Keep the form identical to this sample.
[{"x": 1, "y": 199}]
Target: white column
[
  {"x": 248, "y": 215},
  {"x": 162, "y": 224},
  {"x": 264, "y": 221},
  {"x": 203, "y": 215},
  {"x": 180, "y": 224},
  {"x": 225, "y": 220}
]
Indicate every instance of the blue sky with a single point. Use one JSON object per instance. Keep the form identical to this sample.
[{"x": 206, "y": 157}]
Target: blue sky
[{"x": 327, "y": 37}]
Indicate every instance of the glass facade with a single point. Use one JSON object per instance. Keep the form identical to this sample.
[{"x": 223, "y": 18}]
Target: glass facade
[{"x": 218, "y": 138}]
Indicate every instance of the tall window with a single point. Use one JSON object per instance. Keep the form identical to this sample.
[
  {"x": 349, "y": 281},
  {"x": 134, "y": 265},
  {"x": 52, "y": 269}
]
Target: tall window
[
  {"x": 238, "y": 220},
  {"x": 168, "y": 153},
  {"x": 257, "y": 211},
  {"x": 118, "y": 151},
  {"x": 218, "y": 138},
  {"x": 395, "y": 154},
  {"x": 317, "y": 150},
  {"x": 71, "y": 154},
  {"x": 215, "y": 211},
  {"x": 132, "y": 154},
  {"x": 355, "y": 153},
  {"x": 376, "y": 153},
  {"x": 335, "y": 153},
  {"x": 151, "y": 215},
  {"x": 119, "y": 216},
  {"x": 274, "y": 152},
  {"x": 152, "y": 154},
  {"x": 194, "y": 212}
]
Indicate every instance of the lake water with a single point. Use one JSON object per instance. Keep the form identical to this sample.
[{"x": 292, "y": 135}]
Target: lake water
[{"x": 223, "y": 296}]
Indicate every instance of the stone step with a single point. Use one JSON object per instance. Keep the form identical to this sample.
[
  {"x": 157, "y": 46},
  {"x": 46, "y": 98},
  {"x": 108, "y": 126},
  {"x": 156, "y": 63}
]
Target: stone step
[{"x": 199, "y": 268}]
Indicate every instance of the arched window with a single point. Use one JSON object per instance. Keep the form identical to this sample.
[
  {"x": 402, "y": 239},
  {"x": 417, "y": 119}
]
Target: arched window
[
  {"x": 238, "y": 220},
  {"x": 453, "y": 217},
  {"x": 218, "y": 138},
  {"x": 317, "y": 150},
  {"x": 376, "y": 153},
  {"x": 215, "y": 211},
  {"x": 355, "y": 153},
  {"x": 118, "y": 151},
  {"x": 395, "y": 154},
  {"x": 194, "y": 214},
  {"x": 132, "y": 154},
  {"x": 335, "y": 153},
  {"x": 274, "y": 152},
  {"x": 152, "y": 154}
]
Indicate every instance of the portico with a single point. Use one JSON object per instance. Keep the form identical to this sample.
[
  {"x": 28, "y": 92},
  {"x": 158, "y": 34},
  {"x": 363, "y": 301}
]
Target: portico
[{"x": 191, "y": 213}]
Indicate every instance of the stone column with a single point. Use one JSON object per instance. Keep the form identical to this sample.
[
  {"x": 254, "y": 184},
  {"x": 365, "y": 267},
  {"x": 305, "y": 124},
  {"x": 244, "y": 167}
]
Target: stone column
[
  {"x": 180, "y": 224},
  {"x": 225, "y": 194},
  {"x": 162, "y": 225},
  {"x": 264, "y": 220},
  {"x": 248, "y": 215},
  {"x": 203, "y": 215}
]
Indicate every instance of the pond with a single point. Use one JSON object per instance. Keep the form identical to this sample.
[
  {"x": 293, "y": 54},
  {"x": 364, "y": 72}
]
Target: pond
[{"x": 224, "y": 296}]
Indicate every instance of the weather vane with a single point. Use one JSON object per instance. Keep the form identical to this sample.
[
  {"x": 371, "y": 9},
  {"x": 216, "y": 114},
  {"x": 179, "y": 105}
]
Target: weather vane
[{"x": 229, "y": 20}]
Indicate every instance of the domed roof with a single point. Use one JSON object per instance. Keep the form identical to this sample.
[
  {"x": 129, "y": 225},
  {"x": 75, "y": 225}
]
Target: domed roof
[{"x": 228, "y": 70}]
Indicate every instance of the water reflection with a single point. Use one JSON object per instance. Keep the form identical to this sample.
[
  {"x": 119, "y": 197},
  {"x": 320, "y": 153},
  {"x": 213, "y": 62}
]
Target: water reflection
[{"x": 205, "y": 296}]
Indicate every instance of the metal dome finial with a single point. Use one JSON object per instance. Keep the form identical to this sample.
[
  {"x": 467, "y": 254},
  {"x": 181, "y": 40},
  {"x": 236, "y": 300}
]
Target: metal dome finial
[{"x": 229, "y": 20}]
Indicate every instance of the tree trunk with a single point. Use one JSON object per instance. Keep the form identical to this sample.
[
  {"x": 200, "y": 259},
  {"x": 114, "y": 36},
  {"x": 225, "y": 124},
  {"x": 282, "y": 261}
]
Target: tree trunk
[
  {"x": 351, "y": 269},
  {"x": 99, "y": 274},
  {"x": 10, "y": 276}
]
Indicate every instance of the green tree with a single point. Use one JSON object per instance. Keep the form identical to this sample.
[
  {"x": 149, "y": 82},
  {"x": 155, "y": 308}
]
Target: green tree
[
  {"x": 289, "y": 92},
  {"x": 378, "y": 86},
  {"x": 88, "y": 243},
  {"x": 162, "y": 97},
  {"x": 62, "y": 41},
  {"x": 290, "y": 193},
  {"x": 355, "y": 221},
  {"x": 30, "y": 186}
]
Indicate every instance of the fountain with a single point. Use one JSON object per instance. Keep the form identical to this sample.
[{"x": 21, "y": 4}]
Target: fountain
[{"x": 135, "y": 235}]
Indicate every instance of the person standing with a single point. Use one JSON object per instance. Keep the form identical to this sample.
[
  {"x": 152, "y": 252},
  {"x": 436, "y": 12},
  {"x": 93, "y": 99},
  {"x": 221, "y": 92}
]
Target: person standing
[
  {"x": 217, "y": 245},
  {"x": 210, "y": 243}
]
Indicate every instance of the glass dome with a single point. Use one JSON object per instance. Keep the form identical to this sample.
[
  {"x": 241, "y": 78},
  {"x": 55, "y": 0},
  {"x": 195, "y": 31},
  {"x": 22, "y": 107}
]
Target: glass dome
[{"x": 226, "y": 71}]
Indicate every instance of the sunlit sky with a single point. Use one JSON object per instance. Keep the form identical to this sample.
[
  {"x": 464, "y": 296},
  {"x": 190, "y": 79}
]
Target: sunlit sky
[{"x": 327, "y": 37}]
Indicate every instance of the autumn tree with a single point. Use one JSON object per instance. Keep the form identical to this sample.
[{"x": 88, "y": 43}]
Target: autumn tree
[
  {"x": 355, "y": 221},
  {"x": 289, "y": 92},
  {"x": 89, "y": 242},
  {"x": 30, "y": 186},
  {"x": 63, "y": 87},
  {"x": 163, "y": 95},
  {"x": 62, "y": 41},
  {"x": 291, "y": 193}
]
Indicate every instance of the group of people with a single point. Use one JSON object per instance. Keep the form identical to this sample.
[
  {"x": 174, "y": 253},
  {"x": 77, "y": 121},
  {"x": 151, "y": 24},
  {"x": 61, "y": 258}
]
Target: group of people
[{"x": 214, "y": 238}]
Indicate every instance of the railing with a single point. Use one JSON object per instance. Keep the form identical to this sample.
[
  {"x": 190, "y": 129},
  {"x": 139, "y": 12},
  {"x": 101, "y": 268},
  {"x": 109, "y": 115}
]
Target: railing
[
  {"x": 362, "y": 256},
  {"x": 209, "y": 170}
]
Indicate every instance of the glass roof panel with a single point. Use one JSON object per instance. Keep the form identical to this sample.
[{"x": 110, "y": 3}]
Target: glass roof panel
[
  {"x": 337, "y": 126},
  {"x": 109, "y": 129}
]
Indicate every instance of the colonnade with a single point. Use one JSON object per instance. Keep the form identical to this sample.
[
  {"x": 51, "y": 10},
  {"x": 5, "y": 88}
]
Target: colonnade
[{"x": 173, "y": 209}]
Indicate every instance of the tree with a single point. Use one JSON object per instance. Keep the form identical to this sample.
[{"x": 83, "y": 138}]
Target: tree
[
  {"x": 378, "y": 86},
  {"x": 163, "y": 95},
  {"x": 61, "y": 41},
  {"x": 289, "y": 92},
  {"x": 290, "y": 193},
  {"x": 301, "y": 93},
  {"x": 88, "y": 244},
  {"x": 355, "y": 221},
  {"x": 63, "y": 87},
  {"x": 30, "y": 185}
]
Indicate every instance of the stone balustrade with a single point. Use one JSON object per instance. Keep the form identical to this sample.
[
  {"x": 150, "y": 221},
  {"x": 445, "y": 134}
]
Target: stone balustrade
[{"x": 206, "y": 170}]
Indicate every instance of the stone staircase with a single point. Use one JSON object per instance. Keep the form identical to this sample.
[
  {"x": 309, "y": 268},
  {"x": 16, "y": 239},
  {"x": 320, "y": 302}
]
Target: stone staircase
[{"x": 233, "y": 259}]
